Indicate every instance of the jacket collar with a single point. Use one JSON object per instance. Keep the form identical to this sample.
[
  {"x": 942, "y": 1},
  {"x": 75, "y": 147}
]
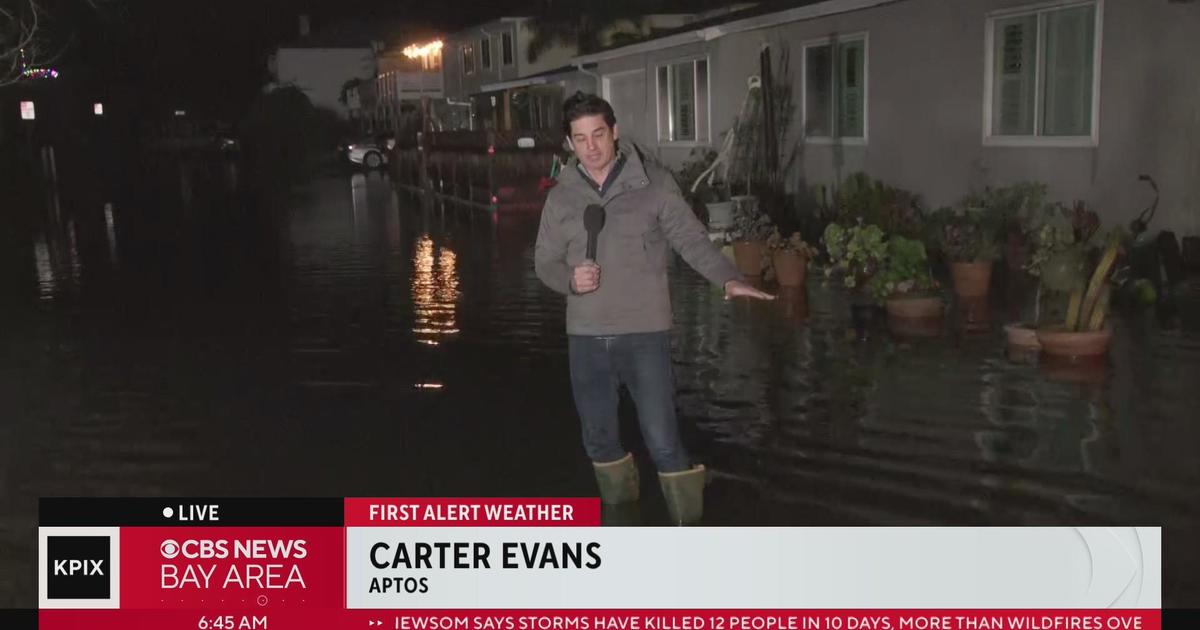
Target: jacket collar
[{"x": 632, "y": 176}]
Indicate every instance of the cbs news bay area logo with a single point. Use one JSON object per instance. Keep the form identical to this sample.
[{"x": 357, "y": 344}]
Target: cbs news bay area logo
[
  {"x": 189, "y": 563},
  {"x": 79, "y": 567}
]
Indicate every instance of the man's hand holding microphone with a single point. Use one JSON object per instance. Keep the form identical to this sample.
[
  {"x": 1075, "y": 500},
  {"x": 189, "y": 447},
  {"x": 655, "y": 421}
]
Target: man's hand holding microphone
[{"x": 586, "y": 277}]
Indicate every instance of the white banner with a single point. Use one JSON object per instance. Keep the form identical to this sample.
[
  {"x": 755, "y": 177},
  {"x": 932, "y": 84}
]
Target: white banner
[{"x": 863, "y": 567}]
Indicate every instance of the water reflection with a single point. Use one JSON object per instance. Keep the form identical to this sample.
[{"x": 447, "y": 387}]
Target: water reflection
[
  {"x": 110, "y": 230},
  {"x": 435, "y": 292},
  {"x": 47, "y": 284}
]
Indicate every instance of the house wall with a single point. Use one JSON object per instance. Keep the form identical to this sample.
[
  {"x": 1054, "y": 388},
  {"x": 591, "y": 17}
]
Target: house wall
[
  {"x": 925, "y": 105},
  {"x": 321, "y": 72},
  {"x": 460, "y": 86}
]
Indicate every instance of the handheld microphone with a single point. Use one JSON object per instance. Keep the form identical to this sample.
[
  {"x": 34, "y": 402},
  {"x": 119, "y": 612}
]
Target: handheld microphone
[{"x": 593, "y": 222}]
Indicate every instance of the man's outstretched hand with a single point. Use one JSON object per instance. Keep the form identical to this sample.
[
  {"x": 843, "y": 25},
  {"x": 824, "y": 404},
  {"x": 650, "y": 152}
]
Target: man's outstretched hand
[{"x": 737, "y": 288}]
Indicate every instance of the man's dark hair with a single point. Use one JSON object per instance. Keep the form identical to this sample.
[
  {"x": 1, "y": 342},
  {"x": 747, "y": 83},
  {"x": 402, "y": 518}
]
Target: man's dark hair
[{"x": 580, "y": 105}]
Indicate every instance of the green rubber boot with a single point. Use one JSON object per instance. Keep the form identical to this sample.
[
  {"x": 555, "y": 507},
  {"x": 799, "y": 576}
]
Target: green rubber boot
[
  {"x": 618, "y": 480},
  {"x": 684, "y": 492}
]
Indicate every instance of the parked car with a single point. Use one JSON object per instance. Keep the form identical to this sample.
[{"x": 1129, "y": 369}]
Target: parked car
[{"x": 370, "y": 152}]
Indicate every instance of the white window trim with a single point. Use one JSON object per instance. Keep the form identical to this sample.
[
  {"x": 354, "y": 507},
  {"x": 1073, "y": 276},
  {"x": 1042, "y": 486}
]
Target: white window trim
[
  {"x": 864, "y": 37},
  {"x": 657, "y": 101},
  {"x": 490, "y": 62},
  {"x": 1088, "y": 141}
]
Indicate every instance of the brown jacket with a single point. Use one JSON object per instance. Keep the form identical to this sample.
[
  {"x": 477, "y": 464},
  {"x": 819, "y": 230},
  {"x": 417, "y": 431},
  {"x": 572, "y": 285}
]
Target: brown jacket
[{"x": 644, "y": 212}]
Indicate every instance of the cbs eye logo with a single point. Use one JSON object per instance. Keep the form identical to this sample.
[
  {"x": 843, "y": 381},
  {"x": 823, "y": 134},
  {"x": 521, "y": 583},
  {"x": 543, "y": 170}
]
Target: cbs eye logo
[{"x": 169, "y": 549}]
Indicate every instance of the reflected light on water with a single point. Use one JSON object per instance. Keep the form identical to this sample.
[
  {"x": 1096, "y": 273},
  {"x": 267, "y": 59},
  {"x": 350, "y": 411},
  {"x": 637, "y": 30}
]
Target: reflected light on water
[
  {"x": 435, "y": 292},
  {"x": 111, "y": 231},
  {"x": 45, "y": 270}
]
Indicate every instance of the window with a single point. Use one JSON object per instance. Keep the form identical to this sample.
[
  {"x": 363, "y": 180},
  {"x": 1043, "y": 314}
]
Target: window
[
  {"x": 1041, "y": 75},
  {"x": 683, "y": 101},
  {"x": 506, "y": 48},
  {"x": 485, "y": 52},
  {"x": 835, "y": 89},
  {"x": 468, "y": 59}
]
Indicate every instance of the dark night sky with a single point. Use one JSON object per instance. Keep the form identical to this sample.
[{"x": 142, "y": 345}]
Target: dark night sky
[{"x": 210, "y": 55}]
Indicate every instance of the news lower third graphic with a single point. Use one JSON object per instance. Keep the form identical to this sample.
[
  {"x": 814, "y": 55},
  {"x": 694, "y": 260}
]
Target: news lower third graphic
[{"x": 546, "y": 564}]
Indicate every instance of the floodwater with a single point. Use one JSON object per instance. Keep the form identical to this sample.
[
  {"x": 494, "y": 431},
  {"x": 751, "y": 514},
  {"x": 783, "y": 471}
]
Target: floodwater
[{"x": 174, "y": 336}]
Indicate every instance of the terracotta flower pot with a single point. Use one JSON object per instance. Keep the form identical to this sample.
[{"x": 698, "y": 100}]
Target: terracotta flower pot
[
  {"x": 748, "y": 257},
  {"x": 915, "y": 307},
  {"x": 1022, "y": 336},
  {"x": 1062, "y": 343},
  {"x": 790, "y": 268},
  {"x": 971, "y": 279}
]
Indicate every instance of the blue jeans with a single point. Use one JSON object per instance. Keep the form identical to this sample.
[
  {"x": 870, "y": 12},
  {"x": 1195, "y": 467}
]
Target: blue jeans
[{"x": 642, "y": 362}]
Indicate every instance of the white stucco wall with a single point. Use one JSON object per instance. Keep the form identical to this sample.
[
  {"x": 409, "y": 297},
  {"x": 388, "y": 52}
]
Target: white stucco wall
[{"x": 925, "y": 104}]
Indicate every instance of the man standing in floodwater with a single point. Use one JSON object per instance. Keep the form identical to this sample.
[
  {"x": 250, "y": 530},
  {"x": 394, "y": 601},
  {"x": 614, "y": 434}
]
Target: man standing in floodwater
[{"x": 618, "y": 305}]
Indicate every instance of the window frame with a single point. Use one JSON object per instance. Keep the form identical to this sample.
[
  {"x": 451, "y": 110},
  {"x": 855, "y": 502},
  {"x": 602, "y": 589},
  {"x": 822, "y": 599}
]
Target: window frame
[
  {"x": 485, "y": 53},
  {"x": 862, "y": 140},
  {"x": 658, "y": 115},
  {"x": 467, "y": 52},
  {"x": 508, "y": 54},
  {"x": 989, "y": 78}
]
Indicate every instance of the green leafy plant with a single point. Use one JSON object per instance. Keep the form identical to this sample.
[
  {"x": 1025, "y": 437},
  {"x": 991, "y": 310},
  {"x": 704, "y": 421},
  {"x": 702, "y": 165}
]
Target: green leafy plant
[
  {"x": 905, "y": 270},
  {"x": 750, "y": 224},
  {"x": 969, "y": 235},
  {"x": 794, "y": 243},
  {"x": 1061, "y": 237},
  {"x": 857, "y": 253}
]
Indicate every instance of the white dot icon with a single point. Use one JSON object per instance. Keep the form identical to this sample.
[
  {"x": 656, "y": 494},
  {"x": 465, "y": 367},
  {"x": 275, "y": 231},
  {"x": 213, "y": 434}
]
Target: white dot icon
[{"x": 168, "y": 512}]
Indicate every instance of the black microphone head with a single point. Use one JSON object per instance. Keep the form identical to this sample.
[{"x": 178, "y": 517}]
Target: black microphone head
[{"x": 593, "y": 218}]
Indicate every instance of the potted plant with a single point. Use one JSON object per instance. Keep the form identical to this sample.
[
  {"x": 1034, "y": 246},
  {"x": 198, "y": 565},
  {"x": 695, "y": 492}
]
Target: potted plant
[
  {"x": 789, "y": 258},
  {"x": 968, "y": 241},
  {"x": 1059, "y": 245},
  {"x": 703, "y": 181},
  {"x": 749, "y": 235},
  {"x": 1085, "y": 333},
  {"x": 904, "y": 282}
]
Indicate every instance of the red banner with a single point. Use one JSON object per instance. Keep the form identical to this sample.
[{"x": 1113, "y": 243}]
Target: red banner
[
  {"x": 216, "y": 568},
  {"x": 933, "y": 619},
  {"x": 437, "y": 512}
]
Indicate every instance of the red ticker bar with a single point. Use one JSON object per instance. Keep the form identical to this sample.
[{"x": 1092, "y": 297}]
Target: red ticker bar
[
  {"x": 472, "y": 512},
  {"x": 728, "y": 619}
]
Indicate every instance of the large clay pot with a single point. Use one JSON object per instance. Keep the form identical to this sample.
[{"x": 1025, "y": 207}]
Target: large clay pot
[
  {"x": 971, "y": 279},
  {"x": 915, "y": 307},
  {"x": 748, "y": 257},
  {"x": 790, "y": 268},
  {"x": 1068, "y": 344}
]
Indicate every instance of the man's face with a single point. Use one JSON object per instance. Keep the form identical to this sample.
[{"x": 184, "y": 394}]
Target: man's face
[{"x": 594, "y": 142}]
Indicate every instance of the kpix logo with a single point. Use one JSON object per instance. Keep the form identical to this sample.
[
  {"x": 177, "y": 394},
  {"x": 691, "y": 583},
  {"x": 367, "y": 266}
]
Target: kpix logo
[{"x": 78, "y": 567}]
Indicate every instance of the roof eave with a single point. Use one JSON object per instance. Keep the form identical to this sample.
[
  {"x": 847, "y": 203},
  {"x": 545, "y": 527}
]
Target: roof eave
[{"x": 797, "y": 14}]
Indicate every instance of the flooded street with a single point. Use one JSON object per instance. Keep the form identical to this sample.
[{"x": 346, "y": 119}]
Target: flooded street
[{"x": 178, "y": 337}]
